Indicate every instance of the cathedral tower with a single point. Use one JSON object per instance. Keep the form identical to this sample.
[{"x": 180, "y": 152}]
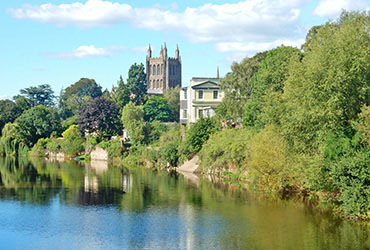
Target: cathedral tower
[{"x": 162, "y": 72}]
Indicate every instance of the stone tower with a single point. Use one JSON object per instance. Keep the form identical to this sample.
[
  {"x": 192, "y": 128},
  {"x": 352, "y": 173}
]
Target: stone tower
[{"x": 162, "y": 72}]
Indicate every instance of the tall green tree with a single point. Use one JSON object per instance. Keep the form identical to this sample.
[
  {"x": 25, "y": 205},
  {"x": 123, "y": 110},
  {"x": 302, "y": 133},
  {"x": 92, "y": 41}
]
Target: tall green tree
[
  {"x": 37, "y": 122},
  {"x": 9, "y": 111},
  {"x": 38, "y": 95},
  {"x": 136, "y": 83},
  {"x": 157, "y": 109},
  {"x": 133, "y": 122},
  {"x": 268, "y": 83},
  {"x": 120, "y": 94},
  {"x": 100, "y": 116},
  {"x": 172, "y": 96},
  {"x": 326, "y": 90},
  {"x": 238, "y": 86},
  {"x": 76, "y": 96}
]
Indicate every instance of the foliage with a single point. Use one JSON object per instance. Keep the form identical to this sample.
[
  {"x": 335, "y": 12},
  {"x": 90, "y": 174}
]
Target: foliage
[
  {"x": 73, "y": 143},
  {"x": 54, "y": 145},
  {"x": 269, "y": 79},
  {"x": 169, "y": 146},
  {"x": 172, "y": 96},
  {"x": 120, "y": 94},
  {"x": 325, "y": 91},
  {"x": 76, "y": 96},
  {"x": 226, "y": 150},
  {"x": 346, "y": 171},
  {"x": 156, "y": 109},
  {"x": 39, "y": 149},
  {"x": 22, "y": 103},
  {"x": 100, "y": 117},
  {"x": 114, "y": 148},
  {"x": 136, "y": 83},
  {"x": 38, "y": 122},
  {"x": 39, "y": 95},
  {"x": 152, "y": 131},
  {"x": 199, "y": 133},
  {"x": 267, "y": 163},
  {"x": 133, "y": 122},
  {"x": 9, "y": 111},
  {"x": 238, "y": 86},
  {"x": 10, "y": 140}
]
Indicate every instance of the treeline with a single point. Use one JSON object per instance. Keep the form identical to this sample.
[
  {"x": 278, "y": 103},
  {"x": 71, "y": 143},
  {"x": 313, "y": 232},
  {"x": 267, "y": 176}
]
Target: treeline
[
  {"x": 305, "y": 115},
  {"x": 36, "y": 121}
]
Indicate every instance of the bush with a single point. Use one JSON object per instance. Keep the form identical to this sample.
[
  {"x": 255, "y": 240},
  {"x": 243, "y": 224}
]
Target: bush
[
  {"x": 267, "y": 163},
  {"x": 114, "y": 148},
  {"x": 169, "y": 144},
  {"x": 73, "y": 144},
  {"x": 199, "y": 133},
  {"x": 225, "y": 149}
]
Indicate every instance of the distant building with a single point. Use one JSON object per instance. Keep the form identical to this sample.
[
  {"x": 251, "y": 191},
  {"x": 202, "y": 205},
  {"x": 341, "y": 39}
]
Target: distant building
[
  {"x": 200, "y": 99},
  {"x": 162, "y": 72}
]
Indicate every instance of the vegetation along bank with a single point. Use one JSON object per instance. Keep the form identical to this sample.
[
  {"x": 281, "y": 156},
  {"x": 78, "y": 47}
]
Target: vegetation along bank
[{"x": 305, "y": 115}]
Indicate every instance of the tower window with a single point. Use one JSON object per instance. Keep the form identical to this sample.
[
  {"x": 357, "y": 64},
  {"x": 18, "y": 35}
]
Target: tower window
[
  {"x": 159, "y": 70},
  {"x": 154, "y": 70},
  {"x": 200, "y": 94}
]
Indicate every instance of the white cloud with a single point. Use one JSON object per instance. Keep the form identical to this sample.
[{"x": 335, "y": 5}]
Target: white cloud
[
  {"x": 253, "y": 23},
  {"x": 332, "y": 8},
  {"x": 88, "y": 51},
  {"x": 4, "y": 97}
]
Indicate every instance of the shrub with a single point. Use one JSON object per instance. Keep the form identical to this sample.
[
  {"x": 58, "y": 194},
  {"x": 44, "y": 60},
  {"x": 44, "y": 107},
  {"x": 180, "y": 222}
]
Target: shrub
[
  {"x": 199, "y": 133},
  {"x": 225, "y": 149},
  {"x": 74, "y": 142},
  {"x": 267, "y": 163}
]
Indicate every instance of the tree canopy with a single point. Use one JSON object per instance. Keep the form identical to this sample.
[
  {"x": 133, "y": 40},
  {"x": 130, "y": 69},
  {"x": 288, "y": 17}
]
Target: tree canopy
[
  {"x": 9, "y": 111},
  {"x": 38, "y": 122},
  {"x": 172, "y": 96},
  {"x": 133, "y": 122},
  {"x": 76, "y": 96},
  {"x": 136, "y": 83},
  {"x": 157, "y": 109},
  {"x": 100, "y": 116},
  {"x": 38, "y": 95}
]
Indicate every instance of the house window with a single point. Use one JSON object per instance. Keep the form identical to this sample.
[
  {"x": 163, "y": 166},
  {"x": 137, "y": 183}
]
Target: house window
[
  {"x": 185, "y": 95},
  {"x": 200, "y": 94},
  {"x": 215, "y": 94},
  {"x": 200, "y": 113},
  {"x": 185, "y": 114}
]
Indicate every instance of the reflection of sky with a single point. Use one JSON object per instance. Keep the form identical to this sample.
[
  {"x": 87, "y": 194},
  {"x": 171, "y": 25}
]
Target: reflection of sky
[{"x": 103, "y": 227}]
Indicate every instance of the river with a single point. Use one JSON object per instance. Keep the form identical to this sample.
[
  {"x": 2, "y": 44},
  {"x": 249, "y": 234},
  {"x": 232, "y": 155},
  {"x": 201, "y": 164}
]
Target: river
[{"x": 50, "y": 205}]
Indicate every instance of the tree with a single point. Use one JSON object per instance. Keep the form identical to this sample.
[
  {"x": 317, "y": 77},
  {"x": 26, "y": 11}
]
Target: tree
[
  {"x": 268, "y": 81},
  {"x": 172, "y": 96},
  {"x": 326, "y": 90},
  {"x": 100, "y": 116},
  {"x": 37, "y": 122},
  {"x": 9, "y": 111},
  {"x": 39, "y": 95},
  {"x": 76, "y": 96},
  {"x": 156, "y": 109},
  {"x": 133, "y": 122},
  {"x": 238, "y": 86},
  {"x": 120, "y": 94},
  {"x": 136, "y": 84},
  {"x": 199, "y": 133}
]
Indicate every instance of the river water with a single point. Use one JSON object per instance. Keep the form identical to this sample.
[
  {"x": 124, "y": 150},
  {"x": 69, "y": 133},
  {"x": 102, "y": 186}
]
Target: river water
[{"x": 74, "y": 206}]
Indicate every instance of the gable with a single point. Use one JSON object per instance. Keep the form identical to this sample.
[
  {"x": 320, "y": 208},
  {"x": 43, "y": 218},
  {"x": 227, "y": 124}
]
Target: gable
[{"x": 206, "y": 85}]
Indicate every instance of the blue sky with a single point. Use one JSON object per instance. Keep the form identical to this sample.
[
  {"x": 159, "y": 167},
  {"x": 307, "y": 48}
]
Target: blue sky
[{"x": 60, "y": 41}]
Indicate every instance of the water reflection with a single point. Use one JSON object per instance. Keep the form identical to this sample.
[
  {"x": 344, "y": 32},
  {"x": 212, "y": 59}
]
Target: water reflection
[{"x": 66, "y": 205}]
